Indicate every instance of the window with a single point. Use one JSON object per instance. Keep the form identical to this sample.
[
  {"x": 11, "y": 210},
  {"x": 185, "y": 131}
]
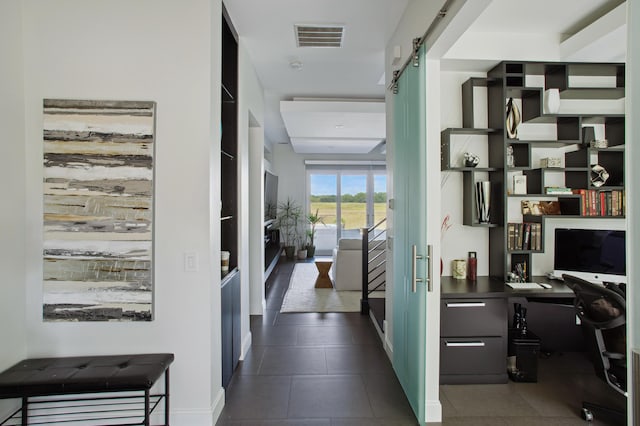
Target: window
[{"x": 347, "y": 199}]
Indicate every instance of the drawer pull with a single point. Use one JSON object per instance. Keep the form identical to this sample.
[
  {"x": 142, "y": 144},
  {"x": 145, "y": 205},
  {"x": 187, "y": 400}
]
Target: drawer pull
[
  {"x": 466, "y": 305},
  {"x": 464, "y": 344}
]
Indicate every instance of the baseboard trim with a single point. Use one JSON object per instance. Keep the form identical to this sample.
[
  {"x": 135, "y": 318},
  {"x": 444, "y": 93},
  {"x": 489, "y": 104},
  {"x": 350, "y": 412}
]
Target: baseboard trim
[
  {"x": 433, "y": 410},
  {"x": 388, "y": 344},
  {"x": 246, "y": 345},
  {"x": 218, "y": 405}
]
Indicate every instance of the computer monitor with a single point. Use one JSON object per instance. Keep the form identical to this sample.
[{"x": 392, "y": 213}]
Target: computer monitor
[{"x": 595, "y": 255}]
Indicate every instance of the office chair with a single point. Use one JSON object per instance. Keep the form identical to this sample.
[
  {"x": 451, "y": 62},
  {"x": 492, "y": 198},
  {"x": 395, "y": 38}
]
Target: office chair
[{"x": 602, "y": 312}]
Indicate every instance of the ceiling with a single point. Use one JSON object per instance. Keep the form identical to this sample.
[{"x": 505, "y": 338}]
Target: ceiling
[{"x": 325, "y": 82}]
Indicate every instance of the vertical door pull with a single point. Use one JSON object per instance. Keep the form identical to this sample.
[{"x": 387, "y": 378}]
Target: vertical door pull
[{"x": 414, "y": 260}]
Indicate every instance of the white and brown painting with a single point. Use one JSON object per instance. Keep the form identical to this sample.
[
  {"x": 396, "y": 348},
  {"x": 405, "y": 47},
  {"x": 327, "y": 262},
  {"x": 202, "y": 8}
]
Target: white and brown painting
[{"x": 98, "y": 210}]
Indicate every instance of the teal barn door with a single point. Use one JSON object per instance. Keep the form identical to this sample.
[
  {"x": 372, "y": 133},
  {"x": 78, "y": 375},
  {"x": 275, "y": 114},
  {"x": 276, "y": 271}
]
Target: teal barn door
[{"x": 410, "y": 235}]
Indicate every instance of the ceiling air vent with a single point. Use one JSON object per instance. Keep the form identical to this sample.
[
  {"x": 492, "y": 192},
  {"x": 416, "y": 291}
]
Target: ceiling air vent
[{"x": 319, "y": 35}]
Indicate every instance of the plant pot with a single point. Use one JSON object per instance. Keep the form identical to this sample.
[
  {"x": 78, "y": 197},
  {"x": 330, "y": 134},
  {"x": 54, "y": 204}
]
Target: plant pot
[
  {"x": 302, "y": 254},
  {"x": 311, "y": 251},
  {"x": 290, "y": 251}
]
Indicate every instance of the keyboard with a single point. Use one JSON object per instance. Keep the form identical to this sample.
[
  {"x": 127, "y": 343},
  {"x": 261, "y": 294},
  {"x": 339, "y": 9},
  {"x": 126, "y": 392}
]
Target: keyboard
[{"x": 525, "y": 286}]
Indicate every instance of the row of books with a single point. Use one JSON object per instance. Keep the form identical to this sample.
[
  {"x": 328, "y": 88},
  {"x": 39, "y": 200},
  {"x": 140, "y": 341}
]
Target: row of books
[
  {"x": 596, "y": 202},
  {"x": 524, "y": 236}
]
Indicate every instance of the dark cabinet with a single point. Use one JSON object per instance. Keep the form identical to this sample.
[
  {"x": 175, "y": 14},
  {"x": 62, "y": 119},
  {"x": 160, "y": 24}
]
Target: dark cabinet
[
  {"x": 473, "y": 336},
  {"x": 230, "y": 320}
]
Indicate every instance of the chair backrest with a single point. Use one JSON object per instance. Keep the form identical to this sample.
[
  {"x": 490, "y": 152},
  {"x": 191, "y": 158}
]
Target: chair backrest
[{"x": 602, "y": 312}]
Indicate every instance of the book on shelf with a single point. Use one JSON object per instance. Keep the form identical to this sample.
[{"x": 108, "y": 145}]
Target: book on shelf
[
  {"x": 524, "y": 236},
  {"x": 557, "y": 190},
  {"x": 601, "y": 202}
]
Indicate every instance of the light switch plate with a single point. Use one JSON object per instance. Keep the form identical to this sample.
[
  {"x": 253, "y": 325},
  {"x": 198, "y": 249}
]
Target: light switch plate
[{"x": 191, "y": 261}]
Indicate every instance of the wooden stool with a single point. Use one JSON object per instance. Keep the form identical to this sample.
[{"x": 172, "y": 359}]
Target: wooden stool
[{"x": 323, "y": 280}]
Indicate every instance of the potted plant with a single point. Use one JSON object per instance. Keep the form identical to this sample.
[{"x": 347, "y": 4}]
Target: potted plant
[
  {"x": 289, "y": 213},
  {"x": 314, "y": 219},
  {"x": 302, "y": 250}
]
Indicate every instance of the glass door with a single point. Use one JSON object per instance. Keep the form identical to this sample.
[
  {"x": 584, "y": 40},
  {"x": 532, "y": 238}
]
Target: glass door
[
  {"x": 410, "y": 236},
  {"x": 323, "y": 200},
  {"x": 353, "y": 206},
  {"x": 347, "y": 201}
]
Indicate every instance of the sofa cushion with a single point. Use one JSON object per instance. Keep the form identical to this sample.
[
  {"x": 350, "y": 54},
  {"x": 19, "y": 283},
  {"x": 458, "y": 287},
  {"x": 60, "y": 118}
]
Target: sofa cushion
[{"x": 350, "y": 244}]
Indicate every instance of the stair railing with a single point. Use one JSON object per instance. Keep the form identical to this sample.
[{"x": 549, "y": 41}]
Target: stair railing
[{"x": 374, "y": 240}]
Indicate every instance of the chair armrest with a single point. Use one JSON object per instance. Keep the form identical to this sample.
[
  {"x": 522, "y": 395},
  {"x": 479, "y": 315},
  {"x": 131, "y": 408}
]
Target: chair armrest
[{"x": 613, "y": 355}]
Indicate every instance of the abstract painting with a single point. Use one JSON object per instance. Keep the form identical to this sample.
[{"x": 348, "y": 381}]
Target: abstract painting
[{"x": 98, "y": 210}]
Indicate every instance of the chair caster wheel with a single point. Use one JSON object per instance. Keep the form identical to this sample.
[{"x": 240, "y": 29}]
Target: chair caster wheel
[{"x": 587, "y": 415}]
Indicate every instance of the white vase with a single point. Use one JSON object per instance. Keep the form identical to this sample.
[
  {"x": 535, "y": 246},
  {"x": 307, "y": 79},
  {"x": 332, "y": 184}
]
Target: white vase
[{"x": 551, "y": 101}]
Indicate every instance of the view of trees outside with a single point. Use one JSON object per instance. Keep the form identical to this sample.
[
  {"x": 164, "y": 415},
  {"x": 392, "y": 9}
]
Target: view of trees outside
[{"x": 352, "y": 207}]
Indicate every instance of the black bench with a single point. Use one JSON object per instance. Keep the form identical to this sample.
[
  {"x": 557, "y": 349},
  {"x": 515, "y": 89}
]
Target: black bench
[{"x": 31, "y": 379}]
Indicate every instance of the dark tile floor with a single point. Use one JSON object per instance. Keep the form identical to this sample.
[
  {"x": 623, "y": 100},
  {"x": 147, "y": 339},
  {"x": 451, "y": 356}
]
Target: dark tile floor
[{"x": 314, "y": 369}]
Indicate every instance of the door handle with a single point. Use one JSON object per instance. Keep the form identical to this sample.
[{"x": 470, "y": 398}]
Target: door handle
[
  {"x": 466, "y": 305},
  {"x": 464, "y": 344},
  {"x": 414, "y": 266}
]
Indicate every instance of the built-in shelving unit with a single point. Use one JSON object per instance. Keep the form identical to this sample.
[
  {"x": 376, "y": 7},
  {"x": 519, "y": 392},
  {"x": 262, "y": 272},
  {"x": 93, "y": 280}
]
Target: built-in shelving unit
[
  {"x": 587, "y": 87},
  {"x": 230, "y": 284}
]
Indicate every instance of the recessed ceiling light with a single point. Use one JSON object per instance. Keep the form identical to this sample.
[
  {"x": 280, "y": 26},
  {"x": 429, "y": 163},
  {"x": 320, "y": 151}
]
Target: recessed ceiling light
[{"x": 339, "y": 126}]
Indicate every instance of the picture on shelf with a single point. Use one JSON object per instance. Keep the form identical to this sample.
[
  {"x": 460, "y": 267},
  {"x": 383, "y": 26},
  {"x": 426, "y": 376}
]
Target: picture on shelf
[
  {"x": 538, "y": 208},
  {"x": 519, "y": 184}
]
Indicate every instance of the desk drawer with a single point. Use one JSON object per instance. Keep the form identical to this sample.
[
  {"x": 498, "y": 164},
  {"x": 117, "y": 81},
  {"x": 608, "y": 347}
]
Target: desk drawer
[
  {"x": 473, "y": 317},
  {"x": 475, "y": 355}
]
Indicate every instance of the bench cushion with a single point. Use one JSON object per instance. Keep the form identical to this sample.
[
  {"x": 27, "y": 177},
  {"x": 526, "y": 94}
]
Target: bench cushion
[{"x": 83, "y": 374}]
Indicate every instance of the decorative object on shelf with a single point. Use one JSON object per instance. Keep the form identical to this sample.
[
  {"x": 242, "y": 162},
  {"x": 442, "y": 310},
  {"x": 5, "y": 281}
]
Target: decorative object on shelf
[
  {"x": 513, "y": 119},
  {"x": 599, "y": 176},
  {"x": 599, "y": 143},
  {"x": 471, "y": 159},
  {"x": 539, "y": 208},
  {"x": 459, "y": 269},
  {"x": 519, "y": 184},
  {"x": 483, "y": 201},
  {"x": 557, "y": 190},
  {"x": 224, "y": 262},
  {"x": 510, "y": 158},
  {"x": 550, "y": 162},
  {"x": 472, "y": 266},
  {"x": 551, "y": 101},
  {"x": 588, "y": 135}
]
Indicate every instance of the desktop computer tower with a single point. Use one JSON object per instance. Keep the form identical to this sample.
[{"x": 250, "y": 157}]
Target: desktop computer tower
[{"x": 523, "y": 351}]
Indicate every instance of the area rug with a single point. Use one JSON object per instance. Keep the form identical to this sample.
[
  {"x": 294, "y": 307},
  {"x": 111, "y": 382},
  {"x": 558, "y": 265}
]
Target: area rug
[{"x": 303, "y": 297}]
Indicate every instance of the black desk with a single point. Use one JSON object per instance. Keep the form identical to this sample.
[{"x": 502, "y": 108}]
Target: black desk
[
  {"x": 474, "y": 321},
  {"x": 493, "y": 287}
]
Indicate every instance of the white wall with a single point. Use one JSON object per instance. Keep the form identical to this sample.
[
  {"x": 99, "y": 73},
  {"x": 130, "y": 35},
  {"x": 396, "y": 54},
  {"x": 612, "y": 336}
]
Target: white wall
[
  {"x": 290, "y": 168},
  {"x": 158, "y": 50},
  {"x": 12, "y": 184},
  {"x": 250, "y": 116}
]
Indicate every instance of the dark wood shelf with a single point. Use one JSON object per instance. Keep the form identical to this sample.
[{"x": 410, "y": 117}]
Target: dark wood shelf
[
  {"x": 467, "y": 131},
  {"x": 577, "y": 161},
  {"x": 472, "y": 169}
]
